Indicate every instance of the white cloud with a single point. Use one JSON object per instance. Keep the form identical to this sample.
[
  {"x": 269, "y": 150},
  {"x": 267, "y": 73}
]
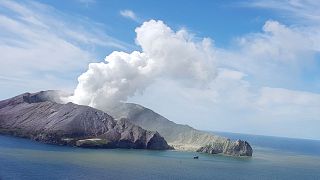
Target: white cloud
[
  {"x": 41, "y": 44},
  {"x": 280, "y": 96},
  {"x": 129, "y": 14},
  {"x": 234, "y": 104},
  {"x": 289, "y": 104},
  {"x": 275, "y": 55},
  {"x": 182, "y": 71},
  {"x": 165, "y": 53},
  {"x": 280, "y": 54}
]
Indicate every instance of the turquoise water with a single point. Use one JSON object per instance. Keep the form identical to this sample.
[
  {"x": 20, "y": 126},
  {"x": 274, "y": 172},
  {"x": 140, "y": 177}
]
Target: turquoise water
[{"x": 26, "y": 159}]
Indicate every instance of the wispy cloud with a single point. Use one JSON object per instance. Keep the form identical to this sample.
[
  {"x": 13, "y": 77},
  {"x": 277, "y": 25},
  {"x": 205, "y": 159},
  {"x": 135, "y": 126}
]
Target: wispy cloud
[
  {"x": 306, "y": 10},
  {"x": 87, "y": 2},
  {"x": 39, "y": 43},
  {"x": 130, "y": 15}
]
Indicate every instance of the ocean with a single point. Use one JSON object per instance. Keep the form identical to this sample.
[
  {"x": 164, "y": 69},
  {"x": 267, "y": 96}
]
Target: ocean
[{"x": 273, "y": 158}]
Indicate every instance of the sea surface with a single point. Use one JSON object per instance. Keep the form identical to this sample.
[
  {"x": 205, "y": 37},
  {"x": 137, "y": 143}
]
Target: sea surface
[{"x": 273, "y": 158}]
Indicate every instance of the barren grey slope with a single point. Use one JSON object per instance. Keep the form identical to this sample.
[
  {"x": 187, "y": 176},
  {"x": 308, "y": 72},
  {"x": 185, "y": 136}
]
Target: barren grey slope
[
  {"x": 181, "y": 137},
  {"x": 37, "y": 116}
]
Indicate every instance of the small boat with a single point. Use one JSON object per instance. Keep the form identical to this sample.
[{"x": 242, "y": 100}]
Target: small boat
[{"x": 195, "y": 157}]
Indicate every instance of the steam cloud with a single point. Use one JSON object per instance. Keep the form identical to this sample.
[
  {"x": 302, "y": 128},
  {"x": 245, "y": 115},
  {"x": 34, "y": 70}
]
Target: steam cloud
[{"x": 165, "y": 54}]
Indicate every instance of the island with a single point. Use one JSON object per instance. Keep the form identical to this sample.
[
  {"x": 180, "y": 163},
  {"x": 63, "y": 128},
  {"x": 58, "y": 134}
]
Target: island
[
  {"x": 44, "y": 117},
  {"x": 36, "y": 116},
  {"x": 181, "y": 137}
]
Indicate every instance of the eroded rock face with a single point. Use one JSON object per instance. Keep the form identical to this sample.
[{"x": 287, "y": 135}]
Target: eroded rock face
[
  {"x": 181, "y": 137},
  {"x": 236, "y": 148},
  {"x": 38, "y": 116}
]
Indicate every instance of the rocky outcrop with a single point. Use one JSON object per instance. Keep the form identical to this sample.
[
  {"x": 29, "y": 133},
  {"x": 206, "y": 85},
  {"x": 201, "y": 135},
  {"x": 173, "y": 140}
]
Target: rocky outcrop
[
  {"x": 38, "y": 116},
  {"x": 181, "y": 137},
  {"x": 237, "y": 148}
]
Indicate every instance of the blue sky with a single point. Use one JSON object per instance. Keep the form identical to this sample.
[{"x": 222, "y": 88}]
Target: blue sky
[
  {"x": 222, "y": 17},
  {"x": 207, "y": 19},
  {"x": 263, "y": 74}
]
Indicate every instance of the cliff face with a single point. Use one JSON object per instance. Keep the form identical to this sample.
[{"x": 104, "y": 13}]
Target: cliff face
[
  {"x": 181, "y": 137},
  {"x": 237, "y": 148},
  {"x": 38, "y": 116}
]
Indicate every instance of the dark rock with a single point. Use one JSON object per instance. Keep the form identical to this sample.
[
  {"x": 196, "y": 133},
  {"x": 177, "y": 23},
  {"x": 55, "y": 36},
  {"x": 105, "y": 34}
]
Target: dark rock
[
  {"x": 38, "y": 116},
  {"x": 237, "y": 148}
]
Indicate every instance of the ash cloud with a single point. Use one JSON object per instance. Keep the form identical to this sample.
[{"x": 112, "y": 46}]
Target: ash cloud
[{"x": 164, "y": 54}]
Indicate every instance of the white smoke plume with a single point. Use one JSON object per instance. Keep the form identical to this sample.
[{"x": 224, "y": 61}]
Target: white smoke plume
[{"x": 165, "y": 54}]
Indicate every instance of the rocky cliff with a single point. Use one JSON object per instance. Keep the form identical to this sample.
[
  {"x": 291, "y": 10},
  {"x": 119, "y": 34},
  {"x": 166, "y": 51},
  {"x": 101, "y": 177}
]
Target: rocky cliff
[
  {"x": 182, "y": 137},
  {"x": 237, "y": 148},
  {"x": 39, "y": 116}
]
